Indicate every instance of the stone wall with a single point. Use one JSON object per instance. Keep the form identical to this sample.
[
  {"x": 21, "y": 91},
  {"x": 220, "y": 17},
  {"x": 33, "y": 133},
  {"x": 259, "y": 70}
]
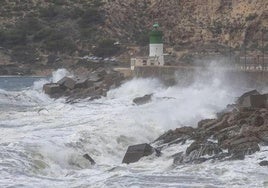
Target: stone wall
[{"x": 183, "y": 75}]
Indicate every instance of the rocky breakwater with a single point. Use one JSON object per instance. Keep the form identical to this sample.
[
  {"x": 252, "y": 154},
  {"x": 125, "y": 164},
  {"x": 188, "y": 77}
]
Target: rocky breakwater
[
  {"x": 93, "y": 86},
  {"x": 239, "y": 130}
]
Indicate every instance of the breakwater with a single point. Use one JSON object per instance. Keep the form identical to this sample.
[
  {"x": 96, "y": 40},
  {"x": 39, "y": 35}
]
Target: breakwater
[{"x": 186, "y": 74}]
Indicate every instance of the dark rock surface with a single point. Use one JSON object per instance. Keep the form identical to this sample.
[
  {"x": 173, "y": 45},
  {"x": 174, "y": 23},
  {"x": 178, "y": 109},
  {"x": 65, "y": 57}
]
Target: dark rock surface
[
  {"x": 233, "y": 135},
  {"x": 143, "y": 100},
  {"x": 263, "y": 163},
  {"x": 93, "y": 86},
  {"x": 136, "y": 152},
  {"x": 86, "y": 156}
]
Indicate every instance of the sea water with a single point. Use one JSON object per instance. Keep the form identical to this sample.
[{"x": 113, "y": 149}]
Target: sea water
[{"x": 42, "y": 140}]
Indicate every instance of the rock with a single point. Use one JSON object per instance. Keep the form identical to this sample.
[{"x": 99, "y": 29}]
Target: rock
[
  {"x": 237, "y": 156},
  {"x": 67, "y": 82},
  {"x": 227, "y": 133},
  {"x": 253, "y": 101},
  {"x": 258, "y": 121},
  {"x": 203, "y": 148},
  {"x": 178, "y": 158},
  {"x": 206, "y": 123},
  {"x": 95, "y": 78},
  {"x": 263, "y": 136},
  {"x": 136, "y": 152},
  {"x": 244, "y": 146},
  {"x": 143, "y": 100},
  {"x": 53, "y": 89},
  {"x": 263, "y": 163},
  {"x": 245, "y": 95},
  {"x": 102, "y": 73},
  {"x": 198, "y": 152},
  {"x": 86, "y": 156},
  {"x": 223, "y": 123},
  {"x": 83, "y": 83},
  {"x": 179, "y": 134}
]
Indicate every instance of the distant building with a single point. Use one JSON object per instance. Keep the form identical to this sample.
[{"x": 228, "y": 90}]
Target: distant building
[{"x": 156, "y": 56}]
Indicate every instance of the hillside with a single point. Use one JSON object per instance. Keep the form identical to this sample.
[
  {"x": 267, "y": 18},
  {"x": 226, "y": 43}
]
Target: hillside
[{"x": 55, "y": 33}]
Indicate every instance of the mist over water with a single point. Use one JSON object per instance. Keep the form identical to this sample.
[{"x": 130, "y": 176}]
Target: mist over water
[{"x": 42, "y": 140}]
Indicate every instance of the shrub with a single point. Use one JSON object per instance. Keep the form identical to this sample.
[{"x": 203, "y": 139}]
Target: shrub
[
  {"x": 106, "y": 48},
  {"x": 91, "y": 16},
  {"x": 60, "y": 44},
  {"x": 51, "y": 12},
  {"x": 142, "y": 38},
  {"x": 43, "y": 34},
  {"x": 12, "y": 37},
  {"x": 60, "y": 2},
  {"x": 24, "y": 54}
]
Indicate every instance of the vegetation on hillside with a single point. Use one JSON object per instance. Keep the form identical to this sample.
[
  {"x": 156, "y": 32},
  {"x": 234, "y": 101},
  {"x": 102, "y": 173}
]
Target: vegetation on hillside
[{"x": 57, "y": 27}]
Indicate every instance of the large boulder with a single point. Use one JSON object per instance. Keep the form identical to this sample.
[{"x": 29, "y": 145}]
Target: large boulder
[
  {"x": 53, "y": 89},
  {"x": 83, "y": 83},
  {"x": 199, "y": 151},
  {"x": 252, "y": 99},
  {"x": 263, "y": 163},
  {"x": 177, "y": 135},
  {"x": 136, "y": 152},
  {"x": 67, "y": 82},
  {"x": 143, "y": 100},
  {"x": 249, "y": 93}
]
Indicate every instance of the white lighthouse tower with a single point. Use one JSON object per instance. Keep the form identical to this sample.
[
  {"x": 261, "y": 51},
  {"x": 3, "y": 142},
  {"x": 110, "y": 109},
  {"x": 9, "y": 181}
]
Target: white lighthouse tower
[{"x": 156, "y": 46}]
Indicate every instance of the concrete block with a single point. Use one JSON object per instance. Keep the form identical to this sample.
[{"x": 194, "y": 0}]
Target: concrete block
[
  {"x": 136, "y": 152},
  {"x": 245, "y": 95},
  {"x": 52, "y": 89},
  {"x": 254, "y": 101}
]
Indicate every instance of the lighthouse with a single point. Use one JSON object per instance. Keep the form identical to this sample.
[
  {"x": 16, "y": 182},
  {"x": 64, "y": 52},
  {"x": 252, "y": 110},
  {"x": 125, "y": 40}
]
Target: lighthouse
[{"x": 156, "y": 46}]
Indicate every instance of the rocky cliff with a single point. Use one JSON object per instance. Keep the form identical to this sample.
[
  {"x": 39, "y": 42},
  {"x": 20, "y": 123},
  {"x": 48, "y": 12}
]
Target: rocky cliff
[{"x": 32, "y": 30}]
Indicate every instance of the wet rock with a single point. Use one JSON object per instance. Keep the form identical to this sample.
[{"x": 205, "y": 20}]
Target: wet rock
[
  {"x": 53, "y": 89},
  {"x": 136, "y": 152},
  {"x": 262, "y": 134},
  {"x": 93, "y": 86},
  {"x": 102, "y": 73},
  {"x": 258, "y": 121},
  {"x": 254, "y": 101},
  {"x": 86, "y": 156},
  {"x": 244, "y": 146},
  {"x": 179, "y": 134},
  {"x": 198, "y": 152},
  {"x": 263, "y": 163},
  {"x": 178, "y": 158},
  {"x": 227, "y": 133},
  {"x": 237, "y": 156},
  {"x": 237, "y": 133},
  {"x": 67, "y": 82},
  {"x": 206, "y": 123},
  {"x": 143, "y": 100},
  {"x": 223, "y": 123},
  {"x": 95, "y": 78},
  {"x": 241, "y": 99},
  {"x": 203, "y": 148},
  {"x": 83, "y": 83}
]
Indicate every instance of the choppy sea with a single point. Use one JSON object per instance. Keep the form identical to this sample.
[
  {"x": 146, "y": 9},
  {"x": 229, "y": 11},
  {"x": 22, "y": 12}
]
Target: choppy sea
[{"x": 42, "y": 140}]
